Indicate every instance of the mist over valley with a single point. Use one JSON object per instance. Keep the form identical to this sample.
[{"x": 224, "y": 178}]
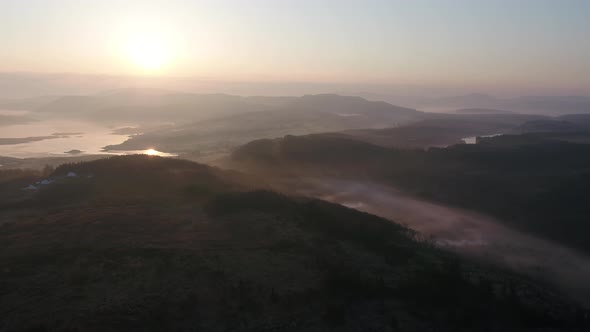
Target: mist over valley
[{"x": 294, "y": 166}]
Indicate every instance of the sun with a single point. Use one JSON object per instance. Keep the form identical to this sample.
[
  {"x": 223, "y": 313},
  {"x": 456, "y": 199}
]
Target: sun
[
  {"x": 148, "y": 54},
  {"x": 148, "y": 49},
  {"x": 151, "y": 152}
]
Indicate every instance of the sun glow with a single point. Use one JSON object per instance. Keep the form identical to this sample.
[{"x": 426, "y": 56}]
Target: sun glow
[
  {"x": 149, "y": 54},
  {"x": 151, "y": 152},
  {"x": 149, "y": 48}
]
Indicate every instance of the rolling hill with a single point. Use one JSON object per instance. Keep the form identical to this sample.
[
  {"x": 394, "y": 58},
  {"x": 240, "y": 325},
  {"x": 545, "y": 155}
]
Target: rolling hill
[
  {"x": 303, "y": 115},
  {"x": 147, "y": 243},
  {"x": 515, "y": 178}
]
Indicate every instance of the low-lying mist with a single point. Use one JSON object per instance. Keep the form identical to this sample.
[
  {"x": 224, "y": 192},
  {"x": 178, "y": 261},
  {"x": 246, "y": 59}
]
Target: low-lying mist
[{"x": 465, "y": 232}]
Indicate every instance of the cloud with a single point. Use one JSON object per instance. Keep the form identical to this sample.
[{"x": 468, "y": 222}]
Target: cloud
[{"x": 24, "y": 140}]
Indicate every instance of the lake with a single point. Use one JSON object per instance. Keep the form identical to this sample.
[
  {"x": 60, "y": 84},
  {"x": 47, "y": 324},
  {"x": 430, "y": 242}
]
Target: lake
[
  {"x": 51, "y": 138},
  {"x": 473, "y": 139}
]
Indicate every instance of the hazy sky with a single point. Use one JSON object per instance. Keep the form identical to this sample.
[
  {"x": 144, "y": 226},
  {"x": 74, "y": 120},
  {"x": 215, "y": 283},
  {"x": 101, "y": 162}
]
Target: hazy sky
[{"x": 484, "y": 43}]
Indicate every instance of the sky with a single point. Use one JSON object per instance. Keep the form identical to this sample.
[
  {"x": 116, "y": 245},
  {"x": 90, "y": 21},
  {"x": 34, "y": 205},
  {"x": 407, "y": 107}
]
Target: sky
[{"x": 485, "y": 44}]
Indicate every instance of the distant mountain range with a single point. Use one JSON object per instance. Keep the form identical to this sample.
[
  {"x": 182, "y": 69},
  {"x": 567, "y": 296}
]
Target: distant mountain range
[
  {"x": 480, "y": 111},
  {"x": 547, "y": 105},
  {"x": 270, "y": 117}
]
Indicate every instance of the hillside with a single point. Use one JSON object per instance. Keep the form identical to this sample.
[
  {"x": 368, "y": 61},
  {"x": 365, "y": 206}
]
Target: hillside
[
  {"x": 150, "y": 244},
  {"x": 516, "y": 178},
  {"x": 440, "y": 130},
  {"x": 295, "y": 116}
]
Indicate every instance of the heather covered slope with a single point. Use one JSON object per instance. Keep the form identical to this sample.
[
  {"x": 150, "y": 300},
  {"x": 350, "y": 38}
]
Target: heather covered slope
[{"x": 150, "y": 244}]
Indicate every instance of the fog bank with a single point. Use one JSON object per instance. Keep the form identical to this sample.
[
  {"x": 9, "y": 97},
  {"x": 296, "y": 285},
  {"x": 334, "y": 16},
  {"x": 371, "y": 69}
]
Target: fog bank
[{"x": 466, "y": 232}]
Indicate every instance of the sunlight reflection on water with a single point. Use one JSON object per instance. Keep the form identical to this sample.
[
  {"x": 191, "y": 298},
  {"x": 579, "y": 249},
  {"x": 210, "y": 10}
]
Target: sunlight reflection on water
[
  {"x": 149, "y": 152},
  {"x": 473, "y": 139},
  {"x": 62, "y": 138}
]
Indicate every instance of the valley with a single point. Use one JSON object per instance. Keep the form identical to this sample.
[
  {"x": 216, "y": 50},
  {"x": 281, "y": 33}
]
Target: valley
[
  {"x": 293, "y": 201},
  {"x": 463, "y": 231}
]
